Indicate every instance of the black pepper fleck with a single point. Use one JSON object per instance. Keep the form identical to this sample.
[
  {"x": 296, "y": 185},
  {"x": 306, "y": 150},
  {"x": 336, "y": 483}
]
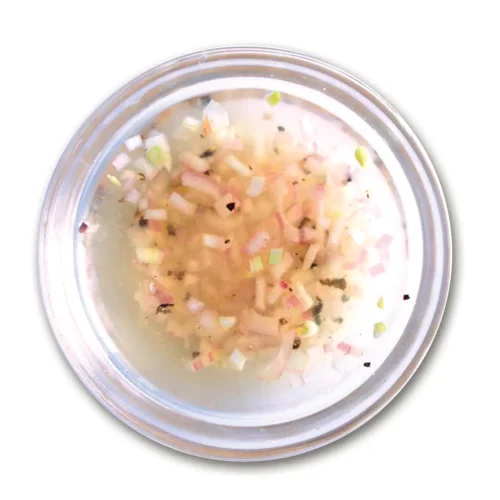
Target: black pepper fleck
[
  {"x": 281, "y": 128},
  {"x": 171, "y": 230},
  {"x": 231, "y": 206},
  {"x": 283, "y": 321},
  {"x": 196, "y": 354},
  {"x": 163, "y": 308},
  {"x": 143, "y": 222},
  {"x": 345, "y": 298},
  {"x": 367, "y": 364},
  {"x": 226, "y": 241},
  {"x": 296, "y": 343},
  {"x": 141, "y": 176},
  {"x": 406, "y": 297},
  {"x": 207, "y": 153},
  {"x": 83, "y": 227}
]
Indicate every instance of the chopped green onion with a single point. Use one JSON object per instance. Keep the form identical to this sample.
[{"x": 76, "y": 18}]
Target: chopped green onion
[
  {"x": 380, "y": 303},
  {"x": 114, "y": 180},
  {"x": 362, "y": 156},
  {"x": 380, "y": 328},
  {"x": 227, "y": 321},
  {"x": 308, "y": 329},
  {"x": 156, "y": 156},
  {"x": 275, "y": 255},
  {"x": 256, "y": 264},
  {"x": 274, "y": 98}
]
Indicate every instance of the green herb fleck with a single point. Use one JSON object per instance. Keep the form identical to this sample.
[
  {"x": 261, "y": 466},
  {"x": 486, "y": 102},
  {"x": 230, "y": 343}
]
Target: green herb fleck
[
  {"x": 361, "y": 154},
  {"x": 156, "y": 156},
  {"x": 274, "y": 98},
  {"x": 339, "y": 283},
  {"x": 379, "y": 328}
]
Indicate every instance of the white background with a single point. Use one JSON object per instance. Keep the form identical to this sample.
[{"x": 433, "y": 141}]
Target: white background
[{"x": 437, "y": 62}]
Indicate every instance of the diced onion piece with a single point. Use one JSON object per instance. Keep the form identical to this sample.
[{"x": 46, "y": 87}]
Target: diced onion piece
[
  {"x": 197, "y": 364},
  {"x": 311, "y": 254},
  {"x": 145, "y": 167},
  {"x": 149, "y": 255},
  {"x": 305, "y": 299},
  {"x": 357, "y": 235},
  {"x": 191, "y": 123},
  {"x": 237, "y": 359},
  {"x": 344, "y": 347},
  {"x": 274, "y": 294},
  {"x": 273, "y": 98},
  {"x": 221, "y": 205},
  {"x": 256, "y": 243},
  {"x": 380, "y": 303},
  {"x": 377, "y": 269},
  {"x": 260, "y": 294},
  {"x": 308, "y": 329},
  {"x": 114, "y": 180},
  {"x": 237, "y": 166},
  {"x": 256, "y": 186},
  {"x": 278, "y": 270},
  {"x": 143, "y": 204},
  {"x": 212, "y": 241},
  {"x": 155, "y": 214},
  {"x": 275, "y": 368},
  {"x": 158, "y": 140},
  {"x": 262, "y": 325},
  {"x": 216, "y": 114},
  {"x": 121, "y": 161},
  {"x": 256, "y": 264},
  {"x": 379, "y": 328},
  {"x": 208, "y": 319},
  {"x": 361, "y": 154},
  {"x": 193, "y": 161},
  {"x": 292, "y": 302},
  {"x": 194, "y": 305},
  {"x": 201, "y": 183},
  {"x": 275, "y": 256},
  {"x": 297, "y": 362},
  {"x": 227, "y": 322},
  {"x": 133, "y": 196},
  {"x": 134, "y": 142},
  {"x": 129, "y": 178},
  {"x": 384, "y": 241},
  {"x": 184, "y": 206}
]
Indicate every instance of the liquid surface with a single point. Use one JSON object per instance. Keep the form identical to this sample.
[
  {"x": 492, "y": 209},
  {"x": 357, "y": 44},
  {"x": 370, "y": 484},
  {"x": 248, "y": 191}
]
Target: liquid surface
[{"x": 162, "y": 359}]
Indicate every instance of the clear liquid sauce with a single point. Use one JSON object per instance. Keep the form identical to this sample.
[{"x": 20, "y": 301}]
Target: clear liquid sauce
[{"x": 160, "y": 360}]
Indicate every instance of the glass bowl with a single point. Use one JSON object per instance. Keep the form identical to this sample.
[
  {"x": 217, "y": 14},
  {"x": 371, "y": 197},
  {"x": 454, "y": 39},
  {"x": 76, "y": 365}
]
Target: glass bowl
[{"x": 135, "y": 373}]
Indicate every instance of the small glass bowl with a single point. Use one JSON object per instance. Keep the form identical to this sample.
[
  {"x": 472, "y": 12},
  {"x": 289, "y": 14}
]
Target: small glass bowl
[{"x": 217, "y": 416}]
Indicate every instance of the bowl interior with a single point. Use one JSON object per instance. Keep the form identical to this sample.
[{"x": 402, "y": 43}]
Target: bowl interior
[{"x": 137, "y": 371}]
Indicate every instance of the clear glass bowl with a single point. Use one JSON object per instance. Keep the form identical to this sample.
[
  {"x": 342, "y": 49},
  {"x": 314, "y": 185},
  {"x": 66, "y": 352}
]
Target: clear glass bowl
[{"x": 138, "y": 377}]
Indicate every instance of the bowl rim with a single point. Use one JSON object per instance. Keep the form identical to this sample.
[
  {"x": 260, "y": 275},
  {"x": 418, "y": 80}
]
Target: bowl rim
[{"x": 268, "y": 453}]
